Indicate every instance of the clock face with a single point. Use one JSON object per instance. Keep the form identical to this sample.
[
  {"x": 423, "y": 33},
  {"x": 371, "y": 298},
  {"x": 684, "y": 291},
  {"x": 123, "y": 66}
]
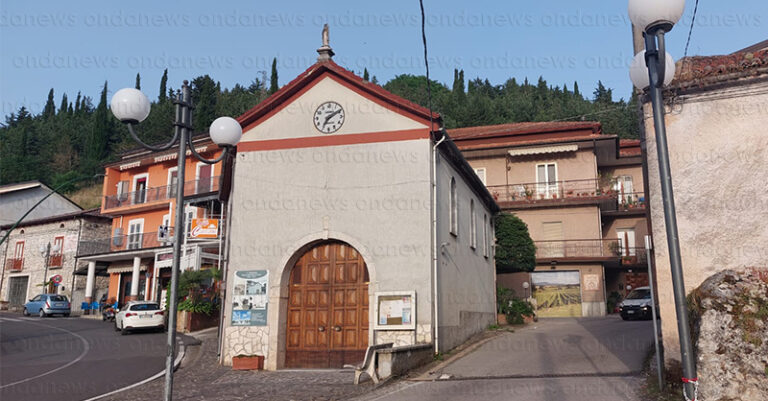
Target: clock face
[{"x": 329, "y": 117}]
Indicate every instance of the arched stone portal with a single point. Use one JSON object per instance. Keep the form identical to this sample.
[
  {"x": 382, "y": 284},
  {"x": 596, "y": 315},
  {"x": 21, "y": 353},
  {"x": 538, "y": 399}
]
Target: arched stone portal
[{"x": 327, "y": 314}]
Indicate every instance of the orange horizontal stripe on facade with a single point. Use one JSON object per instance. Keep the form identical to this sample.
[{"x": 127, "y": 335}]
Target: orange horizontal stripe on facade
[{"x": 333, "y": 140}]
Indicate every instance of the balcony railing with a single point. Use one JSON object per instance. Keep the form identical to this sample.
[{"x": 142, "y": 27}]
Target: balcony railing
[
  {"x": 55, "y": 260},
  {"x": 626, "y": 201},
  {"x": 548, "y": 190},
  {"x": 161, "y": 194},
  {"x": 581, "y": 248},
  {"x": 14, "y": 264},
  {"x": 633, "y": 256},
  {"x": 119, "y": 243}
]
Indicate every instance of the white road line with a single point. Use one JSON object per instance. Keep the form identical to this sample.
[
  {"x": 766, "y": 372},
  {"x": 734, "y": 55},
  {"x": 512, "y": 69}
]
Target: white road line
[
  {"x": 86, "y": 347},
  {"x": 7, "y": 319}
]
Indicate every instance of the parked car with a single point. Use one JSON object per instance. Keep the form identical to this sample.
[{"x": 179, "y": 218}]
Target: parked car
[
  {"x": 48, "y": 304},
  {"x": 637, "y": 304},
  {"x": 140, "y": 315}
]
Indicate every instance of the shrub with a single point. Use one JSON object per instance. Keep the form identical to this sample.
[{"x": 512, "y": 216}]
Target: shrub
[
  {"x": 515, "y": 251},
  {"x": 514, "y": 308}
]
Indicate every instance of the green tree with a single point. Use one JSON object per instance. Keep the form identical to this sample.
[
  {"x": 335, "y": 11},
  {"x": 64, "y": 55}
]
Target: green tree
[
  {"x": 50, "y": 108},
  {"x": 64, "y": 104},
  {"x": 138, "y": 81},
  {"x": 163, "y": 87},
  {"x": 365, "y": 75},
  {"x": 515, "y": 250},
  {"x": 273, "y": 86},
  {"x": 204, "y": 96}
]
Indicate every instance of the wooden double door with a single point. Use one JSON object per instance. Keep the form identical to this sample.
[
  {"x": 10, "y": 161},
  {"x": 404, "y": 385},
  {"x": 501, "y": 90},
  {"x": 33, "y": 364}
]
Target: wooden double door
[{"x": 327, "y": 322}]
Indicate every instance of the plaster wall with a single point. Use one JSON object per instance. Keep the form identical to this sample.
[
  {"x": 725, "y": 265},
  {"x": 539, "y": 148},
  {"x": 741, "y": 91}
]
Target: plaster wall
[
  {"x": 717, "y": 149},
  {"x": 578, "y": 222}
]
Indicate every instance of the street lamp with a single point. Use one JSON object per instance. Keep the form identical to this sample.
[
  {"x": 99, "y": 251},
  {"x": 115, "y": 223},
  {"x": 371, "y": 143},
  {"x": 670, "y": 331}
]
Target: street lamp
[
  {"x": 131, "y": 107},
  {"x": 655, "y": 18},
  {"x": 45, "y": 252}
]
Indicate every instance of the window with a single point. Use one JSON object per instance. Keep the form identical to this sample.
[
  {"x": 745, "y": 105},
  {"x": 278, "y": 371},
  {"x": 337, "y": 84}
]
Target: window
[
  {"x": 56, "y": 250},
  {"x": 147, "y": 307},
  {"x": 173, "y": 182},
  {"x": 552, "y": 245},
  {"x": 485, "y": 235},
  {"x": 627, "y": 241},
  {"x": 481, "y": 174},
  {"x": 135, "y": 233},
  {"x": 546, "y": 180},
  {"x": 18, "y": 252},
  {"x": 122, "y": 191},
  {"x": 190, "y": 213},
  {"x": 624, "y": 188},
  {"x": 472, "y": 225},
  {"x": 140, "y": 188},
  {"x": 204, "y": 178},
  {"x": 454, "y": 208}
]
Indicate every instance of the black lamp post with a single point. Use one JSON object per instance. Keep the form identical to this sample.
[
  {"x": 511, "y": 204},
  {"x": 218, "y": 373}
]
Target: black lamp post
[
  {"x": 131, "y": 107},
  {"x": 655, "y": 18}
]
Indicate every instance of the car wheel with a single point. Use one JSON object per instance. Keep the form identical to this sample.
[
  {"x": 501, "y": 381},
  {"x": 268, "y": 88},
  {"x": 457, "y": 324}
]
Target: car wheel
[
  {"x": 123, "y": 331},
  {"x": 41, "y": 313},
  {"x": 66, "y": 315},
  {"x": 116, "y": 328},
  {"x": 25, "y": 312}
]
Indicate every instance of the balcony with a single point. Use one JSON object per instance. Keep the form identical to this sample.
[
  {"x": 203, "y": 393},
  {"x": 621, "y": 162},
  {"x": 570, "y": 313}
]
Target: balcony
[
  {"x": 14, "y": 264},
  {"x": 577, "y": 250},
  {"x": 159, "y": 196},
  {"x": 536, "y": 194},
  {"x": 55, "y": 260},
  {"x": 622, "y": 203},
  {"x": 129, "y": 242},
  {"x": 633, "y": 256}
]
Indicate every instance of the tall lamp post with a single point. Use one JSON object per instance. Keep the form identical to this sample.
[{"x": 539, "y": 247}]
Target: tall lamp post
[
  {"x": 131, "y": 107},
  {"x": 45, "y": 252},
  {"x": 652, "y": 69}
]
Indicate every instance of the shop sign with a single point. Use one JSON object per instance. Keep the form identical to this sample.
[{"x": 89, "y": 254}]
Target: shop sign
[{"x": 204, "y": 229}]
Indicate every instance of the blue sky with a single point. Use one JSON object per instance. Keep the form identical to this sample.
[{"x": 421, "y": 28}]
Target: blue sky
[{"x": 73, "y": 46}]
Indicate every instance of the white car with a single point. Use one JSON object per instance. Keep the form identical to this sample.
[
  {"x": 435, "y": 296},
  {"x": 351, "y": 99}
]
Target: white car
[{"x": 137, "y": 315}]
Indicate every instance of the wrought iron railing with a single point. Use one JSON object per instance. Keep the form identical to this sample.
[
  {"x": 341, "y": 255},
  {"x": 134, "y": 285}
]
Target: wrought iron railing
[
  {"x": 580, "y": 248},
  {"x": 119, "y": 243},
  {"x": 534, "y": 191},
  {"x": 633, "y": 256},
  {"x": 14, "y": 264},
  {"x": 161, "y": 194},
  {"x": 55, "y": 260}
]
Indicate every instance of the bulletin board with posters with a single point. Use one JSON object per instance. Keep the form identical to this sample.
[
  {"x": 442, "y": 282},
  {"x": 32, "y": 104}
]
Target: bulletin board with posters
[
  {"x": 250, "y": 298},
  {"x": 395, "y": 310}
]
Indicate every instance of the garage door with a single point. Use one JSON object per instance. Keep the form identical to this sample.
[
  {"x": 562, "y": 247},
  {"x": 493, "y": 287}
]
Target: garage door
[
  {"x": 17, "y": 290},
  {"x": 557, "y": 294}
]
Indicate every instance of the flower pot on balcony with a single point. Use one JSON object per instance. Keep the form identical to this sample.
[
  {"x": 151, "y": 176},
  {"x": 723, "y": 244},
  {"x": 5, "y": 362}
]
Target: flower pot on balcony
[{"x": 248, "y": 362}]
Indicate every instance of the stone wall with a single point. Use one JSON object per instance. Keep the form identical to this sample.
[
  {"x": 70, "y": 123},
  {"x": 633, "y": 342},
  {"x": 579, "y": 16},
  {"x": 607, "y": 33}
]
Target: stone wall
[{"x": 730, "y": 330}]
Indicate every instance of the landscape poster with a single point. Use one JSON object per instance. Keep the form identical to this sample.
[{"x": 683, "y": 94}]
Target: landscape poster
[{"x": 557, "y": 294}]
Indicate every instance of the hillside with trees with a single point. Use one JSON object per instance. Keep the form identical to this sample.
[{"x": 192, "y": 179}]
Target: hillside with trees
[{"x": 73, "y": 138}]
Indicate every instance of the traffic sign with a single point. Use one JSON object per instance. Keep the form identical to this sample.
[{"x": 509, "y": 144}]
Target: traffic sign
[{"x": 57, "y": 279}]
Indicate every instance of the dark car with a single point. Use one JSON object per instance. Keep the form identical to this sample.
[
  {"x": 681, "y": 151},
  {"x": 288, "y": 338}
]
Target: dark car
[{"x": 48, "y": 304}]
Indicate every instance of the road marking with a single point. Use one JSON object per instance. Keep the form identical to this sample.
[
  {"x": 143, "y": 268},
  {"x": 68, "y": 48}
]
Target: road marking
[
  {"x": 396, "y": 391},
  {"x": 7, "y": 319},
  {"x": 86, "y": 346},
  {"x": 176, "y": 364}
]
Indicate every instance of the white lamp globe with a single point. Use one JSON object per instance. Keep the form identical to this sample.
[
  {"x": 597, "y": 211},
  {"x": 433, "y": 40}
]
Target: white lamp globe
[
  {"x": 638, "y": 71},
  {"x": 525, "y": 284},
  {"x": 225, "y": 131},
  {"x": 130, "y": 105},
  {"x": 646, "y": 13}
]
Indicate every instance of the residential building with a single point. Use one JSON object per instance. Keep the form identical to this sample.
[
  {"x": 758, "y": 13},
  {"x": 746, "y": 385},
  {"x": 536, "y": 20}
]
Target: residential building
[
  {"x": 352, "y": 225},
  {"x": 580, "y": 192},
  {"x": 17, "y": 199},
  {"x": 717, "y": 132},
  {"x": 29, "y": 268},
  {"x": 140, "y": 194}
]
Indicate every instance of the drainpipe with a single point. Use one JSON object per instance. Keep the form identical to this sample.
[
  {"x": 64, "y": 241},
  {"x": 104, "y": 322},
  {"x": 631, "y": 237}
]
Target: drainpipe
[{"x": 435, "y": 310}]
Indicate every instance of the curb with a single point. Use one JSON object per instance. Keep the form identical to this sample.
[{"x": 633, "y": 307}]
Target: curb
[{"x": 176, "y": 363}]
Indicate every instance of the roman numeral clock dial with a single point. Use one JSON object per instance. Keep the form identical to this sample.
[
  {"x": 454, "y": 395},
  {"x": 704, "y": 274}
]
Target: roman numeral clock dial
[{"x": 329, "y": 117}]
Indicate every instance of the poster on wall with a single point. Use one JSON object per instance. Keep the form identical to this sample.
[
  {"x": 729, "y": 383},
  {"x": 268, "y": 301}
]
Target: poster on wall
[
  {"x": 557, "y": 294},
  {"x": 395, "y": 310},
  {"x": 249, "y": 298}
]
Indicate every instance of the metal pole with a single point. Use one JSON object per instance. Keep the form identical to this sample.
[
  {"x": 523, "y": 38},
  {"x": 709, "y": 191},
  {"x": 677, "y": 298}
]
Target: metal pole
[
  {"x": 45, "y": 275},
  {"x": 182, "y": 109},
  {"x": 670, "y": 219},
  {"x": 659, "y": 355}
]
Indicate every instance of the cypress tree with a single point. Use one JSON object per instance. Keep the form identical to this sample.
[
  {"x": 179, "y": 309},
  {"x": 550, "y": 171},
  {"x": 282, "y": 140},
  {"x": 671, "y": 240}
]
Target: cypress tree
[
  {"x": 365, "y": 74},
  {"x": 50, "y": 109},
  {"x": 77, "y": 103},
  {"x": 163, "y": 84},
  {"x": 273, "y": 77},
  {"x": 576, "y": 89},
  {"x": 138, "y": 81},
  {"x": 97, "y": 144},
  {"x": 64, "y": 104}
]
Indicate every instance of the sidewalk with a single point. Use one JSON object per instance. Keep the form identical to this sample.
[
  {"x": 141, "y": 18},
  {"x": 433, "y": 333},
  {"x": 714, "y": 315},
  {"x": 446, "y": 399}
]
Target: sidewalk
[{"x": 200, "y": 377}]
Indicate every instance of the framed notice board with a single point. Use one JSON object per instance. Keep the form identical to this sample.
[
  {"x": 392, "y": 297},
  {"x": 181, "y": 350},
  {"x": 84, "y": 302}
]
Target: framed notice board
[{"x": 395, "y": 310}]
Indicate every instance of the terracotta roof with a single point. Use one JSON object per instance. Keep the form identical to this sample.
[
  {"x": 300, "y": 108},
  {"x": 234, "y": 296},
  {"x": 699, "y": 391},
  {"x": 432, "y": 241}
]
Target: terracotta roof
[
  {"x": 526, "y": 133},
  {"x": 317, "y": 69},
  {"x": 629, "y": 147},
  {"x": 95, "y": 212},
  {"x": 700, "y": 71}
]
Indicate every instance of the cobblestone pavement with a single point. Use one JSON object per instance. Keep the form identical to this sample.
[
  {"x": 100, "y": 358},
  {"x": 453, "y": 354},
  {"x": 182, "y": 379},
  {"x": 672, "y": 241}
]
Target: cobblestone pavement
[{"x": 200, "y": 377}]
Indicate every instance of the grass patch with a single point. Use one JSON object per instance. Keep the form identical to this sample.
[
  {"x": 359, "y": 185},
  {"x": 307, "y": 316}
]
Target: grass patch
[{"x": 87, "y": 197}]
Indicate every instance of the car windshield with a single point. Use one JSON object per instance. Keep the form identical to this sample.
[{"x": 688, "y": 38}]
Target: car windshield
[
  {"x": 145, "y": 307},
  {"x": 58, "y": 298},
  {"x": 639, "y": 294}
]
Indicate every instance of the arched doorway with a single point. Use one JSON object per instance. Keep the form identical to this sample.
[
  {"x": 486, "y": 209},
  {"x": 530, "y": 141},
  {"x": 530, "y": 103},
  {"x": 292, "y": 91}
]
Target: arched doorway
[{"x": 327, "y": 322}]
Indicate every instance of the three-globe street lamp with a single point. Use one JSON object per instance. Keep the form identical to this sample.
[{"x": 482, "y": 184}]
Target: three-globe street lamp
[
  {"x": 45, "y": 252},
  {"x": 131, "y": 107},
  {"x": 652, "y": 69}
]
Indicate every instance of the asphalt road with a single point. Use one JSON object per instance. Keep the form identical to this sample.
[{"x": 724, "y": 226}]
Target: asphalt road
[
  {"x": 586, "y": 359},
  {"x": 72, "y": 358}
]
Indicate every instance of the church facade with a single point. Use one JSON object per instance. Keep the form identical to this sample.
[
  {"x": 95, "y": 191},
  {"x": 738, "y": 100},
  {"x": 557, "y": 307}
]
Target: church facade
[{"x": 355, "y": 221}]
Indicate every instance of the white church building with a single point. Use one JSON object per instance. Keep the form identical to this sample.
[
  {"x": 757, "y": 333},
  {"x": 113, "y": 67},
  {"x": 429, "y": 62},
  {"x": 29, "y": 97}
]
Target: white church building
[{"x": 355, "y": 220}]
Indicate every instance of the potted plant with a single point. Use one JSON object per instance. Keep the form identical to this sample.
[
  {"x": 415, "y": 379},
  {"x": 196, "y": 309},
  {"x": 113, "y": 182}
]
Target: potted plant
[
  {"x": 503, "y": 297},
  {"x": 248, "y": 362},
  {"x": 528, "y": 193}
]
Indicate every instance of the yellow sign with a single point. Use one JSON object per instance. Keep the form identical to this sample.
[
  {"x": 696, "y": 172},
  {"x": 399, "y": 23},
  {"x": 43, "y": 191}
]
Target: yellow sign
[{"x": 204, "y": 228}]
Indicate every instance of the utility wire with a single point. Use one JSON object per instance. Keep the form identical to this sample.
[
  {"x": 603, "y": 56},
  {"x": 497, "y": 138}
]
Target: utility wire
[
  {"x": 426, "y": 63},
  {"x": 690, "y": 30}
]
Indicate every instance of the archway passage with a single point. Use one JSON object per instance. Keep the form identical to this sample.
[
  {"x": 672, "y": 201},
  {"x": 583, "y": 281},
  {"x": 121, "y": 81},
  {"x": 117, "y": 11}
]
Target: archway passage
[{"x": 327, "y": 322}]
